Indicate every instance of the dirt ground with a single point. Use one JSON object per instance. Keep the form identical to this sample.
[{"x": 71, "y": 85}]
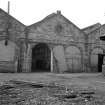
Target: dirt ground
[
  {"x": 79, "y": 86},
  {"x": 83, "y": 80}
]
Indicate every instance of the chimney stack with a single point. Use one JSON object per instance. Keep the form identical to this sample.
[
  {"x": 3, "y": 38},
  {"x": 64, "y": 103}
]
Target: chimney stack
[{"x": 58, "y": 12}]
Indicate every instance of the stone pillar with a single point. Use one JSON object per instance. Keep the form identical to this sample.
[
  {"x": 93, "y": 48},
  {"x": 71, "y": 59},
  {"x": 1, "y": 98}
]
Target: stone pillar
[
  {"x": 103, "y": 66},
  {"x": 27, "y": 59},
  {"x": 16, "y": 58},
  {"x": 53, "y": 63},
  {"x": 16, "y": 66},
  {"x": 24, "y": 55},
  {"x": 24, "y": 63},
  {"x": 86, "y": 62},
  {"x": 51, "y": 59},
  {"x": 60, "y": 57}
]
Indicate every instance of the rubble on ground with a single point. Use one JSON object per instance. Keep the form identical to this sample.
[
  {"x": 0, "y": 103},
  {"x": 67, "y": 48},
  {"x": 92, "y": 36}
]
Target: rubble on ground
[{"x": 26, "y": 93}]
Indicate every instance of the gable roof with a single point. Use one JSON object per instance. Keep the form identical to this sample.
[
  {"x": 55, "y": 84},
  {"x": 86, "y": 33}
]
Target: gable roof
[
  {"x": 103, "y": 26},
  {"x": 91, "y": 28},
  {"x": 41, "y": 21},
  {"x": 51, "y": 16},
  {"x": 16, "y": 28},
  {"x": 1, "y": 10}
]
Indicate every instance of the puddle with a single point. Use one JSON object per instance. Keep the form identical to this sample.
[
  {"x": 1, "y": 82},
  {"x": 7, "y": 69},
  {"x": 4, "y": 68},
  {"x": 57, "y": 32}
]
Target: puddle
[
  {"x": 70, "y": 96},
  {"x": 87, "y": 92},
  {"x": 27, "y": 84}
]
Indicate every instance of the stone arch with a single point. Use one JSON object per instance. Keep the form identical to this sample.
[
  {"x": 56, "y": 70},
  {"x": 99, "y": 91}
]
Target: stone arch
[
  {"x": 74, "y": 58},
  {"x": 94, "y": 58},
  {"x": 41, "y": 58}
]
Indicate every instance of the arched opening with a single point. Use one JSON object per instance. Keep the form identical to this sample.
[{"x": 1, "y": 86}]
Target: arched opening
[
  {"x": 73, "y": 56},
  {"x": 41, "y": 58},
  {"x": 97, "y": 59}
]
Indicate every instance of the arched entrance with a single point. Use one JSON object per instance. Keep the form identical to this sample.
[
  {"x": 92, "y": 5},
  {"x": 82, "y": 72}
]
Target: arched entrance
[
  {"x": 96, "y": 59},
  {"x": 41, "y": 58}
]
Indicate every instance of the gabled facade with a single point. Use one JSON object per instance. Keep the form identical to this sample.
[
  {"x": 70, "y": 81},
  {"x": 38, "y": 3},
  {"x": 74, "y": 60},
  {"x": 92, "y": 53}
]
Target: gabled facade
[
  {"x": 54, "y": 44},
  {"x": 96, "y": 47},
  {"x": 64, "y": 40},
  {"x": 11, "y": 34}
]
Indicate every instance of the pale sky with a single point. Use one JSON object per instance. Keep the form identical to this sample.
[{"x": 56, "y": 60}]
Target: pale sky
[{"x": 81, "y": 12}]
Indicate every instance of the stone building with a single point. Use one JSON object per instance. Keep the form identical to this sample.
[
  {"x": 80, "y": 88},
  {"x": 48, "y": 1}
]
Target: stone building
[{"x": 53, "y": 44}]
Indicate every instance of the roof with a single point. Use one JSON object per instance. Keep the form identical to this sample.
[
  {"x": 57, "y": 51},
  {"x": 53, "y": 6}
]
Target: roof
[
  {"x": 41, "y": 21},
  {"x": 1, "y": 10},
  {"x": 91, "y": 28},
  {"x": 51, "y": 16}
]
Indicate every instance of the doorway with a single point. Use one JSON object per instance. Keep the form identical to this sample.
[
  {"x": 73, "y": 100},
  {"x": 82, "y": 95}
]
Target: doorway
[
  {"x": 41, "y": 58},
  {"x": 100, "y": 62}
]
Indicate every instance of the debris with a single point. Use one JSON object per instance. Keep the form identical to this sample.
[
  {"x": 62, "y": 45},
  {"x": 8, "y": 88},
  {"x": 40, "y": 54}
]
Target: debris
[{"x": 27, "y": 93}]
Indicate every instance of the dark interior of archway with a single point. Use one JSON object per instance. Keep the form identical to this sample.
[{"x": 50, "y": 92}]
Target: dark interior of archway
[
  {"x": 41, "y": 58},
  {"x": 100, "y": 62}
]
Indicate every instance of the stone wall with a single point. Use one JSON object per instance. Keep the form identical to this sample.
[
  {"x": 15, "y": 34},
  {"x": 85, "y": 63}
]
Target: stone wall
[
  {"x": 7, "y": 56},
  {"x": 95, "y": 47},
  {"x": 73, "y": 50},
  {"x": 11, "y": 31},
  {"x": 67, "y": 39}
]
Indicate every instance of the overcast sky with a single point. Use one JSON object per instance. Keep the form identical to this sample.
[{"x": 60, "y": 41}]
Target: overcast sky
[{"x": 81, "y": 12}]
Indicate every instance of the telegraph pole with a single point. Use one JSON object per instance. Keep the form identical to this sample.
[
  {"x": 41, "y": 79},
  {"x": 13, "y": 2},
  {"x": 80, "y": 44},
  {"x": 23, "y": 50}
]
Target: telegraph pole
[
  {"x": 8, "y": 24},
  {"x": 8, "y": 9}
]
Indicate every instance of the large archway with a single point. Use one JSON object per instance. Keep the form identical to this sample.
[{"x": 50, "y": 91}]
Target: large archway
[{"x": 41, "y": 58}]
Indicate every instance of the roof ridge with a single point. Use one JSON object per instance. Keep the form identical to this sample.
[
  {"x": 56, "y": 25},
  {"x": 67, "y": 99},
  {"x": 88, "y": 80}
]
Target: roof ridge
[{"x": 91, "y": 26}]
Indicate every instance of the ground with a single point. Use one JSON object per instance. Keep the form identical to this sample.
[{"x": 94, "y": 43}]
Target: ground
[{"x": 52, "y": 89}]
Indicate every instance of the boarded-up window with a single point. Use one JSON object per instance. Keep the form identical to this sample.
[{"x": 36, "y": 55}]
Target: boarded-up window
[
  {"x": 73, "y": 56},
  {"x": 7, "y": 52}
]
